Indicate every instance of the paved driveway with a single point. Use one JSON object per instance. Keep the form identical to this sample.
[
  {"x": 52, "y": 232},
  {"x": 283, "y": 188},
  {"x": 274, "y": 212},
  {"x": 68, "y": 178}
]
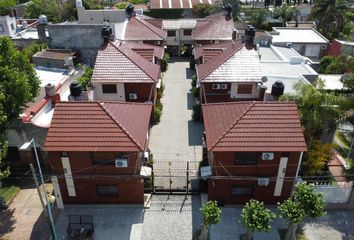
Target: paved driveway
[{"x": 176, "y": 139}]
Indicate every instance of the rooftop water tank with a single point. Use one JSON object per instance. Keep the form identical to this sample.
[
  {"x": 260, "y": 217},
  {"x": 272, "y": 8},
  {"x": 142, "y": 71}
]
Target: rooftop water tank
[
  {"x": 42, "y": 19},
  {"x": 130, "y": 9},
  {"x": 278, "y": 88},
  {"x": 75, "y": 89}
]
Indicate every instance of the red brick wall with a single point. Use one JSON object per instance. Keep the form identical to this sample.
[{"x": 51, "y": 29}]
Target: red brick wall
[
  {"x": 142, "y": 89},
  {"x": 215, "y": 95},
  {"x": 334, "y": 48},
  {"x": 154, "y": 43},
  {"x": 221, "y": 189}
]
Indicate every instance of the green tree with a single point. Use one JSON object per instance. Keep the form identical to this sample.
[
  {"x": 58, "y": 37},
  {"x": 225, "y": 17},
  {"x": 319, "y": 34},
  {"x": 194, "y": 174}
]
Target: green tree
[
  {"x": 256, "y": 218},
  {"x": 331, "y": 16},
  {"x": 202, "y": 10},
  {"x": 348, "y": 82},
  {"x": 94, "y": 4},
  {"x": 324, "y": 63},
  {"x": 259, "y": 19},
  {"x": 294, "y": 214},
  {"x": 5, "y": 6},
  {"x": 316, "y": 158},
  {"x": 235, "y": 4},
  {"x": 19, "y": 84},
  {"x": 33, "y": 48},
  {"x": 211, "y": 214},
  {"x": 85, "y": 79},
  {"x": 51, "y": 8},
  {"x": 286, "y": 12}
]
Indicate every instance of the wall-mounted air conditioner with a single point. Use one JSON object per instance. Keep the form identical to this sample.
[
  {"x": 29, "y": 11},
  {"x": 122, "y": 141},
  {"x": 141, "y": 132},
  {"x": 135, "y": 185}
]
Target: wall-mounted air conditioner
[
  {"x": 215, "y": 86},
  {"x": 121, "y": 162},
  {"x": 133, "y": 96},
  {"x": 263, "y": 181},
  {"x": 267, "y": 156}
]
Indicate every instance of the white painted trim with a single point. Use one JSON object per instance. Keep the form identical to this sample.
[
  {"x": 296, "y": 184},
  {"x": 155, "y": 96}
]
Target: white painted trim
[
  {"x": 68, "y": 177},
  {"x": 181, "y": 3},
  {"x": 190, "y": 4},
  {"x": 169, "y": 3},
  {"x": 57, "y": 192},
  {"x": 299, "y": 164},
  {"x": 280, "y": 178},
  {"x": 161, "y": 6}
]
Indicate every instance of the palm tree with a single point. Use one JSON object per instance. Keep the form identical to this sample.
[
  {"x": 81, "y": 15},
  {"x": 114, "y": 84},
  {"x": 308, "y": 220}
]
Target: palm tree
[{"x": 330, "y": 16}]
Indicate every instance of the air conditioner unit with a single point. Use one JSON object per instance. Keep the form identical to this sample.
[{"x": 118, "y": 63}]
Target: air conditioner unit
[
  {"x": 223, "y": 86},
  {"x": 157, "y": 42},
  {"x": 133, "y": 96},
  {"x": 121, "y": 162},
  {"x": 264, "y": 42},
  {"x": 215, "y": 86},
  {"x": 267, "y": 156},
  {"x": 263, "y": 181}
]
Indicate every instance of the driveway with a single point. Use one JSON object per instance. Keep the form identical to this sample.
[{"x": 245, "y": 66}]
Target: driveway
[
  {"x": 177, "y": 139},
  {"x": 172, "y": 217}
]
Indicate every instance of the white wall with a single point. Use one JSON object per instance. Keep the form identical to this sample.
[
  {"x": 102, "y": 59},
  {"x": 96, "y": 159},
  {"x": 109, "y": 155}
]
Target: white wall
[
  {"x": 180, "y": 38},
  {"x": 100, "y": 96},
  {"x": 7, "y": 26},
  {"x": 233, "y": 93},
  {"x": 100, "y": 16}
]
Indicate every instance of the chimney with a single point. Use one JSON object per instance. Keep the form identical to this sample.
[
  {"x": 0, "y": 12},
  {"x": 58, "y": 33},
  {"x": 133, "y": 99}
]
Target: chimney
[
  {"x": 51, "y": 93},
  {"x": 43, "y": 21}
]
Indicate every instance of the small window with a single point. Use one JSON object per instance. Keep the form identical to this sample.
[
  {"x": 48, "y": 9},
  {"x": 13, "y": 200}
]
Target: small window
[
  {"x": 223, "y": 86},
  {"x": 285, "y": 154},
  {"x": 244, "y": 88},
  {"x": 171, "y": 33},
  {"x": 242, "y": 191},
  {"x": 187, "y": 32},
  {"x": 107, "y": 191},
  {"x": 215, "y": 86},
  {"x": 247, "y": 158},
  {"x": 109, "y": 88},
  {"x": 103, "y": 158}
]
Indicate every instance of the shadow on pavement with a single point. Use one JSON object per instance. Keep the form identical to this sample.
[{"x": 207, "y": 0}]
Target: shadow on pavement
[
  {"x": 190, "y": 101},
  {"x": 189, "y": 73},
  {"x": 195, "y": 133},
  {"x": 7, "y": 221}
]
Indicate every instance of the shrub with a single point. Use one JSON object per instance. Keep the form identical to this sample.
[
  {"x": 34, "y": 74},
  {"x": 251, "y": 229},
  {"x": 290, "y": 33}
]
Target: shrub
[
  {"x": 161, "y": 90},
  {"x": 85, "y": 79},
  {"x": 158, "y": 112},
  {"x": 192, "y": 63},
  {"x": 121, "y": 5},
  {"x": 197, "y": 112},
  {"x": 33, "y": 48},
  {"x": 164, "y": 62},
  {"x": 195, "y": 91},
  {"x": 194, "y": 81}
]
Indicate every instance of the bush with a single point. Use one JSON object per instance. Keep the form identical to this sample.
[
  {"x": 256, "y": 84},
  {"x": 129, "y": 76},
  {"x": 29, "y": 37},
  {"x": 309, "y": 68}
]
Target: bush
[
  {"x": 158, "y": 112},
  {"x": 195, "y": 91},
  {"x": 85, "y": 79},
  {"x": 164, "y": 62},
  {"x": 192, "y": 63},
  {"x": 33, "y": 48},
  {"x": 197, "y": 112},
  {"x": 194, "y": 81},
  {"x": 122, "y": 5},
  {"x": 161, "y": 90}
]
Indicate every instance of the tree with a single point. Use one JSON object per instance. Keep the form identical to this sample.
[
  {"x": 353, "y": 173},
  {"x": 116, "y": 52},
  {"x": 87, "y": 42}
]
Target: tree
[
  {"x": 316, "y": 158},
  {"x": 304, "y": 202},
  {"x": 259, "y": 19},
  {"x": 202, "y": 10},
  {"x": 85, "y": 79},
  {"x": 211, "y": 214},
  {"x": 19, "y": 84},
  {"x": 324, "y": 63},
  {"x": 5, "y": 6},
  {"x": 33, "y": 48},
  {"x": 348, "y": 82},
  {"x": 286, "y": 12},
  {"x": 235, "y": 4},
  {"x": 330, "y": 16},
  {"x": 94, "y": 4},
  {"x": 256, "y": 217}
]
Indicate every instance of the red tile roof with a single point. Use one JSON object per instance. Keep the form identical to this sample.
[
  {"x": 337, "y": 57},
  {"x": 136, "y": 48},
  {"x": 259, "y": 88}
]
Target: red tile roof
[
  {"x": 237, "y": 63},
  {"x": 141, "y": 30},
  {"x": 218, "y": 27},
  {"x": 121, "y": 64},
  {"x": 147, "y": 51},
  {"x": 157, "y": 22},
  {"x": 253, "y": 127},
  {"x": 210, "y": 51},
  {"x": 95, "y": 126}
]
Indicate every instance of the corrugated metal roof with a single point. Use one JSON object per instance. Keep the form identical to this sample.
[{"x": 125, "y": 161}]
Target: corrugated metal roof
[
  {"x": 237, "y": 63},
  {"x": 218, "y": 27},
  {"x": 141, "y": 30},
  {"x": 121, "y": 64},
  {"x": 94, "y": 126},
  {"x": 253, "y": 127}
]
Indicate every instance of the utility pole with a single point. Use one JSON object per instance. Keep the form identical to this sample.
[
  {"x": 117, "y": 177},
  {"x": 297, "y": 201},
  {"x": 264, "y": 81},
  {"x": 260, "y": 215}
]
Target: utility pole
[{"x": 38, "y": 190}]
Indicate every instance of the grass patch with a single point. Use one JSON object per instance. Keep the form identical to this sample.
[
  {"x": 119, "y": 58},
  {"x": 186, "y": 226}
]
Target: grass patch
[{"x": 9, "y": 192}]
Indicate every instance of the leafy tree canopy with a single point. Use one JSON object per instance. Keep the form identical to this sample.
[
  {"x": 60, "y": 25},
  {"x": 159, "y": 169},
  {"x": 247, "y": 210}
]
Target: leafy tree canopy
[
  {"x": 85, "y": 79},
  {"x": 5, "y": 6},
  {"x": 202, "y": 10},
  {"x": 211, "y": 213}
]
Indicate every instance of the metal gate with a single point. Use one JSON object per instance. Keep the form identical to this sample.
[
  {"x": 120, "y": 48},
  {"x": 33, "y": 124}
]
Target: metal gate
[{"x": 175, "y": 177}]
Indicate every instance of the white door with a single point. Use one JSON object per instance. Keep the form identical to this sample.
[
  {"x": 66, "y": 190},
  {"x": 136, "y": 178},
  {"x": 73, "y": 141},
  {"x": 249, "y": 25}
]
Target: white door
[
  {"x": 57, "y": 192},
  {"x": 68, "y": 177},
  {"x": 281, "y": 175}
]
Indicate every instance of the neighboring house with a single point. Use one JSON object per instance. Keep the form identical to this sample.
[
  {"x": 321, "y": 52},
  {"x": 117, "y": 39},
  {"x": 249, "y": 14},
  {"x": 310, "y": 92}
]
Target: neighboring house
[
  {"x": 36, "y": 118},
  {"x": 303, "y": 12},
  {"x": 7, "y": 26},
  {"x": 54, "y": 58},
  {"x": 307, "y": 41},
  {"x": 254, "y": 150},
  {"x": 214, "y": 28},
  {"x": 141, "y": 31},
  {"x": 121, "y": 74},
  {"x": 19, "y": 10},
  {"x": 96, "y": 150},
  {"x": 229, "y": 72},
  {"x": 340, "y": 47}
]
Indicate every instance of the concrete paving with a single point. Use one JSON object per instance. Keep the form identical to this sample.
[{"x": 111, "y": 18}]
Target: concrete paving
[
  {"x": 177, "y": 138},
  {"x": 116, "y": 222},
  {"x": 172, "y": 218}
]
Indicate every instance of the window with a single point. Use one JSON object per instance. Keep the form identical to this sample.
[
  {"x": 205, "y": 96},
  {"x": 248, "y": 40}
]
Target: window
[
  {"x": 187, "y": 32},
  {"x": 215, "y": 86},
  {"x": 1, "y": 28},
  {"x": 244, "y": 88},
  {"x": 171, "y": 33},
  {"x": 242, "y": 191},
  {"x": 103, "y": 158},
  {"x": 109, "y": 88},
  {"x": 247, "y": 158},
  {"x": 107, "y": 191}
]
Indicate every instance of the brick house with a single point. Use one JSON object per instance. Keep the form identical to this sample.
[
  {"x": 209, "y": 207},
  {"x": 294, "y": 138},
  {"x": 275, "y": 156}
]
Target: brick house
[
  {"x": 229, "y": 71},
  {"x": 214, "y": 28},
  {"x": 141, "y": 31},
  {"x": 95, "y": 152},
  {"x": 121, "y": 74},
  {"x": 254, "y": 150}
]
